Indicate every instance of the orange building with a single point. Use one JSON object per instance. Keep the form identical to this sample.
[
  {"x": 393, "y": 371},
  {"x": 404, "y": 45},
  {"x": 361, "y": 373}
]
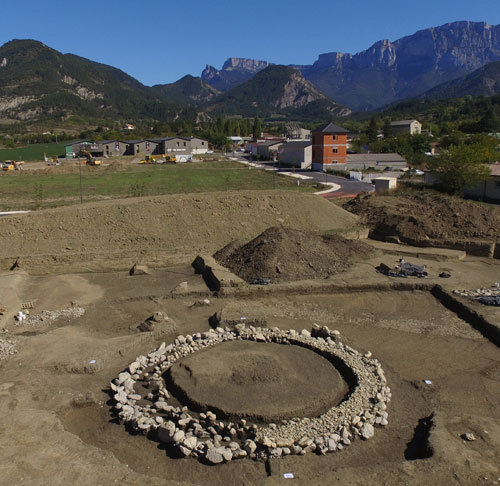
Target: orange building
[{"x": 329, "y": 146}]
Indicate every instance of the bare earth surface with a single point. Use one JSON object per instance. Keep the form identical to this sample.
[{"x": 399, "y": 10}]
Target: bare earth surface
[
  {"x": 283, "y": 254},
  {"x": 262, "y": 382},
  {"x": 427, "y": 215},
  {"x": 158, "y": 230},
  {"x": 55, "y": 421}
]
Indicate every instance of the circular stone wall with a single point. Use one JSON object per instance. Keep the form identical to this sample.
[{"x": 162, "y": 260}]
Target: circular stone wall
[
  {"x": 263, "y": 382},
  {"x": 211, "y": 439}
]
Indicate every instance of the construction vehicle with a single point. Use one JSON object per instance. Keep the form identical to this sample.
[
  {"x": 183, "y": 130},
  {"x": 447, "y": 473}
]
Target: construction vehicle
[
  {"x": 54, "y": 160},
  {"x": 11, "y": 165},
  {"x": 159, "y": 159},
  {"x": 148, "y": 159},
  {"x": 7, "y": 165},
  {"x": 90, "y": 160}
]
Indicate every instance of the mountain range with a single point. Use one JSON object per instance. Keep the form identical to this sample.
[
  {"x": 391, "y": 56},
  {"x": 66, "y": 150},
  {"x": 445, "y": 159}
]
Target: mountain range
[
  {"x": 484, "y": 81},
  {"x": 452, "y": 60},
  {"x": 38, "y": 82},
  {"x": 387, "y": 71}
]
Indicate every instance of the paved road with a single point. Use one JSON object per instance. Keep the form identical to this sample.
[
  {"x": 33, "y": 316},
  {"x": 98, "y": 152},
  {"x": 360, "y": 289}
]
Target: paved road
[{"x": 347, "y": 187}]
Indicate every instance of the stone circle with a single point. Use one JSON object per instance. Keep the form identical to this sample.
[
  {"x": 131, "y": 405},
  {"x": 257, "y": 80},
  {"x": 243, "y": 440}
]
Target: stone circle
[{"x": 143, "y": 401}]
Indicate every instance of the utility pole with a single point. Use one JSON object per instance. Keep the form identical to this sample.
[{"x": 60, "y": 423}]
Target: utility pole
[{"x": 81, "y": 192}]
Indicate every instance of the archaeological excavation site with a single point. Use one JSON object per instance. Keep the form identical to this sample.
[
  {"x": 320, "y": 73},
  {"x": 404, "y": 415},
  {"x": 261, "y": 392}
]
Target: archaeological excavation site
[{"x": 250, "y": 338}]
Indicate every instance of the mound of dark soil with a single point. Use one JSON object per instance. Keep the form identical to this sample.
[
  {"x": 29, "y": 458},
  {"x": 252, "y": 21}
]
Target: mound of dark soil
[
  {"x": 261, "y": 381},
  {"x": 427, "y": 215},
  {"x": 284, "y": 254}
]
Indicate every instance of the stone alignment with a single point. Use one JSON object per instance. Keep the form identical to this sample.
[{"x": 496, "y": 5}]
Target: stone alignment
[{"x": 216, "y": 441}]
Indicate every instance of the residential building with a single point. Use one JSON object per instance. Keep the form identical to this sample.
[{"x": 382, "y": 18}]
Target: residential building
[
  {"x": 198, "y": 145},
  {"x": 110, "y": 148},
  {"x": 172, "y": 146},
  {"x": 488, "y": 190},
  {"x": 267, "y": 150},
  {"x": 135, "y": 147},
  {"x": 329, "y": 147},
  {"x": 235, "y": 141},
  {"x": 296, "y": 153},
  {"x": 294, "y": 132},
  {"x": 376, "y": 161},
  {"x": 413, "y": 127}
]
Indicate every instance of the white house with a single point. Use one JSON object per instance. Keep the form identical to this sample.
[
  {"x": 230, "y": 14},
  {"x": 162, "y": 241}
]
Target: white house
[
  {"x": 296, "y": 153},
  {"x": 413, "y": 127}
]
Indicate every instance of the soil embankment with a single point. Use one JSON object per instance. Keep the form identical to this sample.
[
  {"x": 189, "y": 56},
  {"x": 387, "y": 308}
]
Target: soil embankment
[
  {"x": 424, "y": 217},
  {"x": 156, "y": 230}
]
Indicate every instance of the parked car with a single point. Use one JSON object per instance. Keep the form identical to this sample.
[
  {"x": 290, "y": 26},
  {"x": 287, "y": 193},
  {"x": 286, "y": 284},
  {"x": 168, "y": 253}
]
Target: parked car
[{"x": 416, "y": 172}]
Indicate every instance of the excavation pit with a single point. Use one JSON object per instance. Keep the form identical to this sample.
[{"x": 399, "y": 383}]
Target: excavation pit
[{"x": 263, "y": 382}]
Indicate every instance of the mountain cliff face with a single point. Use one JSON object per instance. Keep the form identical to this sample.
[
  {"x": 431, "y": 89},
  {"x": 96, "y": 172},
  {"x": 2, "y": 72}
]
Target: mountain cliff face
[
  {"x": 234, "y": 72},
  {"x": 278, "y": 89},
  {"x": 484, "y": 81},
  {"x": 37, "y": 81},
  {"x": 389, "y": 71}
]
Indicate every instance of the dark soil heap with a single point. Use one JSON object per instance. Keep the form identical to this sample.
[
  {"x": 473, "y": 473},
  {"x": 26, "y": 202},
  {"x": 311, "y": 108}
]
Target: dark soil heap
[
  {"x": 284, "y": 254},
  {"x": 266, "y": 382},
  {"x": 425, "y": 215}
]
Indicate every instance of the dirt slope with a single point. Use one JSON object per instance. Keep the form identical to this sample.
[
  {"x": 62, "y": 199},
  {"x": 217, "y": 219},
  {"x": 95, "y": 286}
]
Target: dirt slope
[
  {"x": 283, "y": 254},
  {"x": 427, "y": 215},
  {"x": 163, "y": 227}
]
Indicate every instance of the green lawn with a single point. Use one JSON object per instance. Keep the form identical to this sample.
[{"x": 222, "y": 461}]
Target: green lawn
[
  {"x": 32, "y": 189},
  {"x": 34, "y": 151}
]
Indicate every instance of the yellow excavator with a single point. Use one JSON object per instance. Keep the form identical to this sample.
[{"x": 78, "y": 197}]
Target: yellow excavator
[
  {"x": 149, "y": 159},
  {"x": 90, "y": 160},
  {"x": 7, "y": 165},
  {"x": 159, "y": 159},
  {"x": 11, "y": 165}
]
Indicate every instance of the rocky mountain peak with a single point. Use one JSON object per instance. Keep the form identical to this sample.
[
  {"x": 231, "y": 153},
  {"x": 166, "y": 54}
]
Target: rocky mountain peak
[
  {"x": 208, "y": 73},
  {"x": 244, "y": 64}
]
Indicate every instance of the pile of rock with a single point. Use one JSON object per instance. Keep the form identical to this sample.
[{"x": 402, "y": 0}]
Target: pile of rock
[
  {"x": 51, "y": 316},
  {"x": 485, "y": 295},
  {"x": 152, "y": 322},
  {"x": 7, "y": 348},
  {"x": 214, "y": 440}
]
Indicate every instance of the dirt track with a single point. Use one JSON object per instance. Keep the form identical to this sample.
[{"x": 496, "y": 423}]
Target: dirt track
[{"x": 55, "y": 422}]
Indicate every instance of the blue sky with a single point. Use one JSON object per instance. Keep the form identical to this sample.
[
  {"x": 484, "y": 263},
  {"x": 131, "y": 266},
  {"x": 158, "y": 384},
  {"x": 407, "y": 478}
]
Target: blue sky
[{"x": 159, "y": 41}]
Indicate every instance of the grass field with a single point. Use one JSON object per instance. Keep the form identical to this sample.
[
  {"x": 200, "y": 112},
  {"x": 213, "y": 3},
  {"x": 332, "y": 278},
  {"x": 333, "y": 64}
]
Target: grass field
[
  {"x": 31, "y": 189},
  {"x": 33, "y": 152}
]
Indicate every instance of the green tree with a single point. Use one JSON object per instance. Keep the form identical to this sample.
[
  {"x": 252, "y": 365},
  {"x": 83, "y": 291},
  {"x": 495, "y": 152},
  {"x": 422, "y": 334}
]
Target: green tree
[
  {"x": 228, "y": 127},
  {"x": 372, "y": 130},
  {"x": 462, "y": 165},
  {"x": 219, "y": 125},
  {"x": 489, "y": 122},
  {"x": 257, "y": 127},
  {"x": 387, "y": 129},
  {"x": 420, "y": 143}
]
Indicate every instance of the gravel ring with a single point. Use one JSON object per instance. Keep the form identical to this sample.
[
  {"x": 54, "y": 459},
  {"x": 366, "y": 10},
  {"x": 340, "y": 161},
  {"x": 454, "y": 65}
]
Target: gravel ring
[{"x": 364, "y": 407}]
